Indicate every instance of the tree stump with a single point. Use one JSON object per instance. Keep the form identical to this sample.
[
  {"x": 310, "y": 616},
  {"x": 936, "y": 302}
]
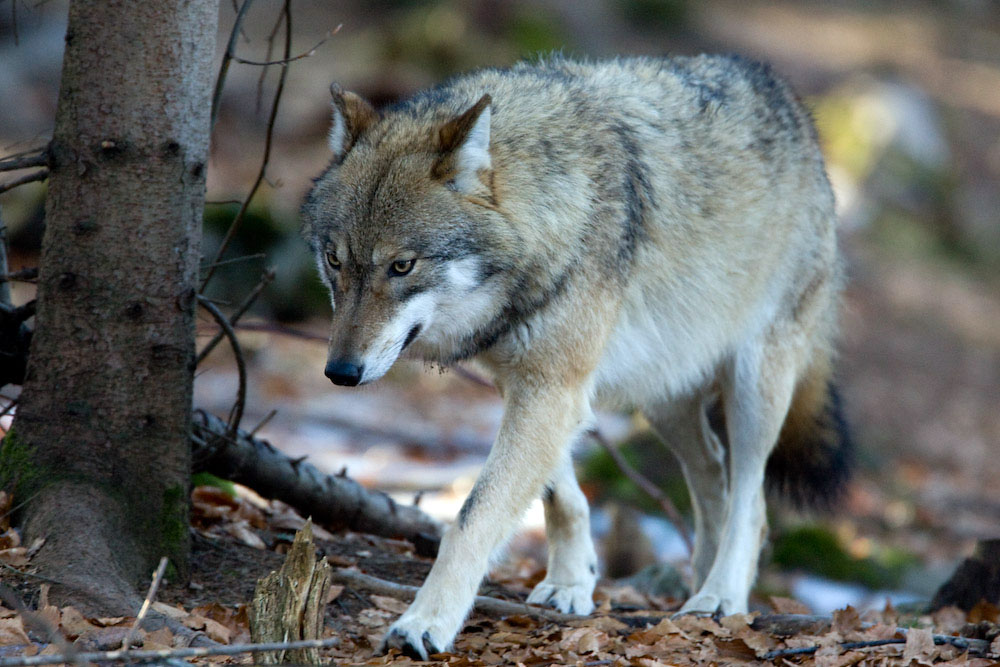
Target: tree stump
[
  {"x": 288, "y": 604},
  {"x": 977, "y": 578}
]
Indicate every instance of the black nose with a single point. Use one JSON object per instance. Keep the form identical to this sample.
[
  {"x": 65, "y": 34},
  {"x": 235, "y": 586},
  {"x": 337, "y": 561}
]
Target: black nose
[{"x": 343, "y": 373}]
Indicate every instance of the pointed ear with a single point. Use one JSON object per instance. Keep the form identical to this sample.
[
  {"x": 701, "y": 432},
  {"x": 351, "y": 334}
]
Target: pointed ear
[
  {"x": 352, "y": 115},
  {"x": 465, "y": 148}
]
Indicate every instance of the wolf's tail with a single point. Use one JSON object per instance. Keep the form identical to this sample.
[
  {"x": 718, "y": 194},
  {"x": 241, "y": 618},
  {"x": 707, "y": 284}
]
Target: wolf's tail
[{"x": 812, "y": 462}]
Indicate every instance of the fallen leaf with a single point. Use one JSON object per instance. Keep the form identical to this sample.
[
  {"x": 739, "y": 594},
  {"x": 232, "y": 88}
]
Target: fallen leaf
[
  {"x": 110, "y": 621},
  {"x": 9, "y": 539},
  {"x": 170, "y": 610},
  {"x": 995, "y": 647},
  {"x": 333, "y": 593},
  {"x": 919, "y": 646},
  {"x": 393, "y": 605},
  {"x": 15, "y": 557},
  {"x": 12, "y": 632},
  {"x": 736, "y": 622},
  {"x": 242, "y": 531},
  {"x": 846, "y": 620},
  {"x": 158, "y": 639},
  {"x": 74, "y": 624},
  {"x": 217, "y": 631},
  {"x": 984, "y": 611},
  {"x": 788, "y": 606},
  {"x": 37, "y": 544}
]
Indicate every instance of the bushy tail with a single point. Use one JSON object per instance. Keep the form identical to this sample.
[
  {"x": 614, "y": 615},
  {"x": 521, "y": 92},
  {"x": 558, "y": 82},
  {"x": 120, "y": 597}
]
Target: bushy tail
[{"x": 812, "y": 461}]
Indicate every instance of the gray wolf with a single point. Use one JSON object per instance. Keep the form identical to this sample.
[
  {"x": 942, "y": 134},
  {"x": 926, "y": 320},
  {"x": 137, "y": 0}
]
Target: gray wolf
[{"x": 646, "y": 233}]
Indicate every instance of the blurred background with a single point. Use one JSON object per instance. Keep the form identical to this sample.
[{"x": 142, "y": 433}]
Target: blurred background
[{"x": 906, "y": 98}]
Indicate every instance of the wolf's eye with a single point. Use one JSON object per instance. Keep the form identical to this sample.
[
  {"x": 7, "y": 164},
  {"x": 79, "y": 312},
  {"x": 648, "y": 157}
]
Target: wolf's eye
[
  {"x": 331, "y": 259},
  {"x": 401, "y": 267}
]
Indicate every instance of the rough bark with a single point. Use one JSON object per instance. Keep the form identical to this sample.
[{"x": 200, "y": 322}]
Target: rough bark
[
  {"x": 99, "y": 449},
  {"x": 336, "y": 501},
  {"x": 288, "y": 605}
]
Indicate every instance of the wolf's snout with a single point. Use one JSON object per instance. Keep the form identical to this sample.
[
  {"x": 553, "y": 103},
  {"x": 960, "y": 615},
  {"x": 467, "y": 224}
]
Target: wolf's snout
[{"x": 344, "y": 373}]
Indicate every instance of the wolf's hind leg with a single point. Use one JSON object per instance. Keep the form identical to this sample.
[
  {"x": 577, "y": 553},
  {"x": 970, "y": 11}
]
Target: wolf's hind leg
[
  {"x": 756, "y": 397},
  {"x": 572, "y": 572},
  {"x": 683, "y": 426}
]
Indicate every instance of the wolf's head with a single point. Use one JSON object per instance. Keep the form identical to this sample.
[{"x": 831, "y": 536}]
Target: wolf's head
[{"x": 400, "y": 224}]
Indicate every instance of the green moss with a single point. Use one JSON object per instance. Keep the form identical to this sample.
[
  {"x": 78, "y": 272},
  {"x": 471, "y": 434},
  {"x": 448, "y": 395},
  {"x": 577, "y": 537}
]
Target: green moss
[
  {"x": 18, "y": 473},
  {"x": 816, "y": 549},
  {"x": 208, "y": 479},
  {"x": 173, "y": 522}
]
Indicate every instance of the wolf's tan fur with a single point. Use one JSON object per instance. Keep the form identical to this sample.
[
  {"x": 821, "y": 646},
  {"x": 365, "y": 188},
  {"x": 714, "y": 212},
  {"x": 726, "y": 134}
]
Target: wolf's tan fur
[{"x": 646, "y": 233}]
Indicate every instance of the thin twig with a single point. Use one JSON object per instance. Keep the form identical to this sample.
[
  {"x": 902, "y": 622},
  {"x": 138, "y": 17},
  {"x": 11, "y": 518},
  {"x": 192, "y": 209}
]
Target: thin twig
[
  {"x": 146, "y": 604},
  {"x": 166, "y": 654},
  {"x": 647, "y": 487},
  {"x": 263, "y": 422},
  {"x": 39, "y": 175},
  {"x": 220, "y": 80},
  {"x": 259, "y": 98},
  {"x": 38, "y": 157},
  {"x": 285, "y": 61},
  {"x": 244, "y": 258},
  {"x": 265, "y": 280},
  {"x": 30, "y": 575},
  {"x": 10, "y": 408},
  {"x": 4, "y": 285},
  {"x": 268, "y": 139},
  {"x": 472, "y": 376},
  {"x": 236, "y": 415},
  {"x": 269, "y": 327},
  {"x": 484, "y": 604}
]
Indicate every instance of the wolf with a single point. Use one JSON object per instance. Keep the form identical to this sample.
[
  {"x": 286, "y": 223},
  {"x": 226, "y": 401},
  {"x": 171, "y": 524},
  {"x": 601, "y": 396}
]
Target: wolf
[{"x": 641, "y": 233}]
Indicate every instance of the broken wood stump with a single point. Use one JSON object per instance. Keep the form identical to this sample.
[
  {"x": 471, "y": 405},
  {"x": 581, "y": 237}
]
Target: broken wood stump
[{"x": 288, "y": 605}]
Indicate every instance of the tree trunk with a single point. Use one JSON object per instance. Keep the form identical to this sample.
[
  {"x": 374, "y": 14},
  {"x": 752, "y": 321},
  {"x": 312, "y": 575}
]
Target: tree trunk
[{"x": 100, "y": 448}]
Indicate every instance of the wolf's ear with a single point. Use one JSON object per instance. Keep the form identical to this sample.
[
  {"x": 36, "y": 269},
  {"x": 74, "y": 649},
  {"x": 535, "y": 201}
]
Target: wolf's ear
[
  {"x": 465, "y": 148},
  {"x": 352, "y": 115}
]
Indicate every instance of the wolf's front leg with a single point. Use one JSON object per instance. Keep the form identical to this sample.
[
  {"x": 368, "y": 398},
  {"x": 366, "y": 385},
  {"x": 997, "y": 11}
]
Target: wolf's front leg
[
  {"x": 539, "y": 423},
  {"x": 572, "y": 573}
]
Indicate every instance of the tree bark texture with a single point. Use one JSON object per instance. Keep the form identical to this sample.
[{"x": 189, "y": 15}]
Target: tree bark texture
[{"x": 100, "y": 448}]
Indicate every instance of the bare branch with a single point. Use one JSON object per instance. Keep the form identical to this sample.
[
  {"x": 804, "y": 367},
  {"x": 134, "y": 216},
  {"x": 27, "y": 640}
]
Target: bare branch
[
  {"x": 236, "y": 415},
  {"x": 650, "y": 489},
  {"x": 244, "y": 258},
  {"x": 265, "y": 280},
  {"x": 285, "y": 61},
  {"x": 220, "y": 80},
  {"x": 269, "y": 137},
  {"x": 37, "y": 157},
  {"x": 39, "y": 175}
]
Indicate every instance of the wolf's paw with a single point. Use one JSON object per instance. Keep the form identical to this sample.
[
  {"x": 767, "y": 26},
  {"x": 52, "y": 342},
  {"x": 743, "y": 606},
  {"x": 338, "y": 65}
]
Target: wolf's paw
[
  {"x": 416, "y": 638},
  {"x": 708, "y": 604},
  {"x": 567, "y": 598}
]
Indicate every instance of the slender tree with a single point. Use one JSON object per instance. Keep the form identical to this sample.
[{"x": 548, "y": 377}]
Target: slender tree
[{"x": 99, "y": 454}]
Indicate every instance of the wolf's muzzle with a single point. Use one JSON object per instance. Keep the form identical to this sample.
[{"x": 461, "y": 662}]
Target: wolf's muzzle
[{"x": 344, "y": 373}]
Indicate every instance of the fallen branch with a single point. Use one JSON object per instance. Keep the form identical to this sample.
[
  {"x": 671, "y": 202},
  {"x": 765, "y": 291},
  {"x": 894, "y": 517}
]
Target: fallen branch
[
  {"x": 978, "y": 647},
  {"x": 165, "y": 654},
  {"x": 484, "y": 604},
  {"x": 334, "y": 501}
]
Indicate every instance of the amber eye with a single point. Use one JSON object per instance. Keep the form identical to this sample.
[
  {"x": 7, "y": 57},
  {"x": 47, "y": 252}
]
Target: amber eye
[
  {"x": 401, "y": 267},
  {"x": 331, "y": 259}
]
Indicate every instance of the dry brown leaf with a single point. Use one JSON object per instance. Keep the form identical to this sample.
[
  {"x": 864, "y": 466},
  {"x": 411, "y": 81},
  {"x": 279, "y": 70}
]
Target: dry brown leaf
[
  {"x": 37, "y": 544},
  {"x": 846, "y": 620},
  {"x": 12, "y": 632},
  {"x": 698, "y": 624},
  {"x": 15, "y": 557},
  {"x": 217, "y": 631},
  {"x": 788, "y": 606},
  {"x": 849, "y": 658},
  {"x": 242, "y": 531},
  {"x": 158, "y": 639},
  {"x": 666, "y": 627},
  {"x": 169, "y": 610},
  {"x": 333, "y": 593},
  {"x": 919, "y": 646},
  {"x": 194, "y": 621},
  {"x": 649, "y": 662},
  {"x": 112, "y": 621},
  {"x": 606, "y": 623},
  {"x": 10, "y": 539},
  {"x": 995, "y": 647},
  {"x": 735, "y": 648},
  {"x": 737, "y": 622},
  {"x": 394, "y": 605},
  {"x": 373, "y": 618},
  {"x": 74, "y": 624}
]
